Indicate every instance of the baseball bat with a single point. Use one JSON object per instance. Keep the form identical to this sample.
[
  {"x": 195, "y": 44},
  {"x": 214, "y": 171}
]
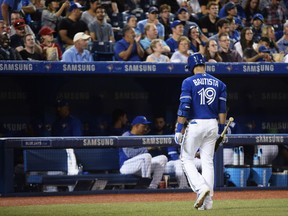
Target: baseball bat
[{"x": 221, "y": 137}]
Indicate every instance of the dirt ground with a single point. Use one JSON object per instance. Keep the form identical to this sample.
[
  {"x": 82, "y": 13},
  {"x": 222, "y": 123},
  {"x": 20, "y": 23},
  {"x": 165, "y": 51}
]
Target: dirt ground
[{"x": 151, "y": 197}]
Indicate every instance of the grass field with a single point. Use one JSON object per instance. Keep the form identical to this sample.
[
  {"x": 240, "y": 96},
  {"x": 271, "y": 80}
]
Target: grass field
[{"x": 262, "y": 207}]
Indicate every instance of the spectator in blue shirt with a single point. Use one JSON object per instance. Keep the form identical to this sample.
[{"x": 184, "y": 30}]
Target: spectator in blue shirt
[
  {"x": 152, "y": 18},
  {"x": 129, "y": 48},
  {"x": 78, "y": 52},
  {"x": 177, "y": 31},
  {"x": 151, "y": 33}
]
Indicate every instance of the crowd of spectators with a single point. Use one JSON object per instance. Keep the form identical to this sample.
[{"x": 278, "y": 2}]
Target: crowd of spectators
[{"x": 146, "y": 30}]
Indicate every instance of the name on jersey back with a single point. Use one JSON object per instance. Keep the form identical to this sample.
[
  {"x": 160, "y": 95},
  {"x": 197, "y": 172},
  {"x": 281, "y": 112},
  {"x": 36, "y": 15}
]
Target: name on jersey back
[{"x": 205, "y": 81}]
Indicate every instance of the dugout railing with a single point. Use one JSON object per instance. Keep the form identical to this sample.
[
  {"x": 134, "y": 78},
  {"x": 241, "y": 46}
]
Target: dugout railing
[{"x": 14, "y": 148}]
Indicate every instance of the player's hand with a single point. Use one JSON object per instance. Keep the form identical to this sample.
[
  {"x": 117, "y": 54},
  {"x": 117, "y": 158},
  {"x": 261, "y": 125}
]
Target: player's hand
[
  {"x": 66, "y": 4},
  {"x": 178, "y": 137},
  {"x": 178, "y": 133},
  {"x": 138, "y": 38}
]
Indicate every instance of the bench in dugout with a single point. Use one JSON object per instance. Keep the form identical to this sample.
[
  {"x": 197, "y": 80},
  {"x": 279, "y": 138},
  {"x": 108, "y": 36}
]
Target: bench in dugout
[{"x": 100, "y": 166}]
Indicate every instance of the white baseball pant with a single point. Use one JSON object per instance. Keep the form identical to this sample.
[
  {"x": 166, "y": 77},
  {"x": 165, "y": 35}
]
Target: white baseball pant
[
  {"x": 175, "y": 166},
  {"x": 145, "y": 165},
  {"x": 200, "y": 135}
]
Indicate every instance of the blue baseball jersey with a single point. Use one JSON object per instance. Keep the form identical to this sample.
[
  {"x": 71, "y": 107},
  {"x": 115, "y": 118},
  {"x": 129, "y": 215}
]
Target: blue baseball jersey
[
  {"x": 127, "y": 153},
  {"x": 205, "y": 95}
]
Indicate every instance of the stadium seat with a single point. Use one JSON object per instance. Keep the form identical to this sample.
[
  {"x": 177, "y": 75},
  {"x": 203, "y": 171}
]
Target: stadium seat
[
  {"x": 117, "y": 20},
  {"x": 102, "y": 51}
]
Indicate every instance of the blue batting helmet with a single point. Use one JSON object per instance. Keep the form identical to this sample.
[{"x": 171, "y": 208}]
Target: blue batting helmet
[{"x": 195, "y": 60}]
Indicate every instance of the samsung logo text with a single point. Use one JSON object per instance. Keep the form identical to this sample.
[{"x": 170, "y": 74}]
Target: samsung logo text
[
  {"x": 258, "y": 68},
  {"x": 269, "y": 139},
  {"x": 140, "y": 68},
  {"x": 156, "y": 141},
  {"x": 98, "y": 142}
]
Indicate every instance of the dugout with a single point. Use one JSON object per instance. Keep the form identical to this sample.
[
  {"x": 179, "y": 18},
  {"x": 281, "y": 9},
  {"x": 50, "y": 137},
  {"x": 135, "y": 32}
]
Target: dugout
[{"x": 257, "y": 94}]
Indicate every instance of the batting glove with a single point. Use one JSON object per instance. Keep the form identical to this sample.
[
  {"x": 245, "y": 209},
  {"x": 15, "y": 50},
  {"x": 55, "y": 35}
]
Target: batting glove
[
  {"x": 178, "y": 134},
  {"x": 178, "y": 138}
]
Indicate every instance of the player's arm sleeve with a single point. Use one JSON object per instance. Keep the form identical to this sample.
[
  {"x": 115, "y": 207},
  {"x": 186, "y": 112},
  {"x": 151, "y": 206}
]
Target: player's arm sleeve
[
  {"x": 185, "y": 100},
  {"x": 119, "y": 50},
  {"x": 162, "y": 32},
  {"x": 222, "y": 99},
  {"x": 67, "y": 57},
  {"x": 132, "y": 152},
  {"x": 90, "y": 58},
  {"x": 140, "y": 26}
]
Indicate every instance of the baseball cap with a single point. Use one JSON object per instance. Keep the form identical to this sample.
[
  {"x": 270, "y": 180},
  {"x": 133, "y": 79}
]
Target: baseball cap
[
  {"x": 140, "y": 120},
  {"x": 259, "y": 17},
  {"x": 80, "y": 35},
  {"x": 62, "y": 102},
  {"x": 130, "y": 16},
  {"x": 229, "y": 6},
  {"x": 263, "y": 49},
  {"x": 176, "y": 23},
  {"x": 19, "y": 23},
  {"x": 181, "y": 10},
  {"x": 74, "y": 6},
  {"x": 153, "y": 9},
  {"x": 46, "y": 30}
]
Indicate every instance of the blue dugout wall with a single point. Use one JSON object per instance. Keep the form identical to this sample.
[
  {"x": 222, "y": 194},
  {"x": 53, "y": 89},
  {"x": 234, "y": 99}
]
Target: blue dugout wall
[{"x": 257, "y": 93}]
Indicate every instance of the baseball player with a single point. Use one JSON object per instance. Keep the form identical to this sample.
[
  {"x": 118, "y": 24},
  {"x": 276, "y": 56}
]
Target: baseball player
[
  {"x": 202, "y": 102},
  {"x": 174, "y": 165},
  {"x": 137, "y": 160}
]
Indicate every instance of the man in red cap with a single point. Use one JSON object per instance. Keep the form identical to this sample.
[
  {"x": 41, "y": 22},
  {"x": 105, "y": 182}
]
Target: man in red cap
[
  {"x": 17, "y": 38},
  {"x": 16, "y": 15},
  {"x": 51, "y": 50}
]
